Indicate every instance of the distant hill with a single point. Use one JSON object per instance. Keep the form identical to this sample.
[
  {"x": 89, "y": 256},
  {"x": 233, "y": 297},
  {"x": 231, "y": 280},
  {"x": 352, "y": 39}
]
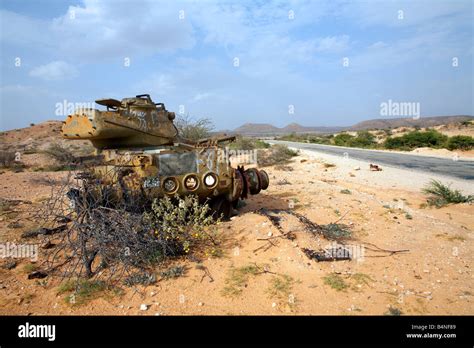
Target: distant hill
[
  {"x": 422, "y": 122},
  {"x": 266, "y": 129},
  {"x": 261, "y": 129}
]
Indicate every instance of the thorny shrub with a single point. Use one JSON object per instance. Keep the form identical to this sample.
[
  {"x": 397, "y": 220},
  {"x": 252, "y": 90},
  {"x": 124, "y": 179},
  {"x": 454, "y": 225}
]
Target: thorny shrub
[{"x": 116, "y": 239}]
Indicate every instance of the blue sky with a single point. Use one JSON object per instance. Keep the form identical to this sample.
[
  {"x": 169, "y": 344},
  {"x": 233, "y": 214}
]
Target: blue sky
[{"x": 290, "y": 56}]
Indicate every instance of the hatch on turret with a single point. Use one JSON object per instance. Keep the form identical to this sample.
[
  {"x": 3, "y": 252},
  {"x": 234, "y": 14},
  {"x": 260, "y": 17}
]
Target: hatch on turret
[{"x": 110, "y": 103}]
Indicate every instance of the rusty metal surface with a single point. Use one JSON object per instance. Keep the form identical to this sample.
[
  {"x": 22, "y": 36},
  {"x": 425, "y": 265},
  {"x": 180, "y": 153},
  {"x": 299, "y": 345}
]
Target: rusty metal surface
[{"x": 137, "y": 141}]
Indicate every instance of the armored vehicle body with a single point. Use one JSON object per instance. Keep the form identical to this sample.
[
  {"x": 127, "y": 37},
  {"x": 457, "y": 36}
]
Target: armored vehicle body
[{"x": 138, "y": 142}]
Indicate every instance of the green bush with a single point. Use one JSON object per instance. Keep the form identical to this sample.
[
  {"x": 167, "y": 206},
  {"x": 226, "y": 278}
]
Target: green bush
[
  {"x": 343, "y": 139},
  {"x": 415, "y": 139},
  {"x": 182, "y": 222},
  {"x": 245, "y": 143},
  {"x": 461, "y": 142},
  {"x": 363, "y": 139},
  {"x": 277, "y": 154},
  {"x": 319, "y": 140},
  {"x": 441, "y": 195}
]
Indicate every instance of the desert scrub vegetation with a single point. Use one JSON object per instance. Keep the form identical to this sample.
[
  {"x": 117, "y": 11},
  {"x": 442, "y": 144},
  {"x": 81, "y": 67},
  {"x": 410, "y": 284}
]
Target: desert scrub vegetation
[
  {"x": 60, "y": 153},
  {"x": 123, "y": 241},
  {"x": 280, "y": 288},
  {"x": 81, "y": 291},
  {"x": 10, "y": 160},
  {"x": 441, "y": 195},
  {"x": 354, "y": 282},
  {"x": 63, "y": 156},
  {"x": 336, "y": 282},
  {"x": 182, "y": 221},
  {"x": 193, "y": 129},
  {"x": 173, "y": 272},
  {"x": 460, "y": 142},
  {"x": 276, "y": 154},
  {"x": 307, "y": 138},
  {"x": 238, "y": 278},
  {"x": 247, "y": 143},
  {"x": 409, "y": 141},
  {"x": 393, "y": 311},
  {"x": 7, "y": 159},
  {"x": 363, "y": 139},
  {"x": 415, "y": 139},
  {"x": 430, "y": 138}
]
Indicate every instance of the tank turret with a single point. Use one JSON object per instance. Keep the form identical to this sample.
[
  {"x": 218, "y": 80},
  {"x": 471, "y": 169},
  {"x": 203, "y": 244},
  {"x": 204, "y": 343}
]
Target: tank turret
[{"x": 132, "y": 122}]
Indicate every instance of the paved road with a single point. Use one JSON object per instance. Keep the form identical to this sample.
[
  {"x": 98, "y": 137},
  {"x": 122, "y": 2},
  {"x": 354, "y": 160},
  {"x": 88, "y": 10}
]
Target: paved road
[{"x": 443, "y": 166}]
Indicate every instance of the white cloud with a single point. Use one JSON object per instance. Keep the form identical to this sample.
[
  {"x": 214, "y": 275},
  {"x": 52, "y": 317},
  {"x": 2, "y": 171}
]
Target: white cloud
[
  {"x": 201, "y": 96},
  {"x": 333, "y": 43},
  {"x": 57, "y": 70},
  {"x": 97, "y": 30},
  {"x": 405, "y": 13}
]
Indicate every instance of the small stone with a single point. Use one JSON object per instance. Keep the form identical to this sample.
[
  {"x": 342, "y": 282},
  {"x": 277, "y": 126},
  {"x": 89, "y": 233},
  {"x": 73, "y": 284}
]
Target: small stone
[
  {"x": 47, "y": 245},
  {"x": 426, "y": 271},
  {"x": 200, "y": 304},
  {"x": 269, "y": 234},
  {"x": 152, "y": 293},
  {"x": 274, "y": 305},
  {"x": 357, "y": 168},
  {"x": 143, "y": 307}
]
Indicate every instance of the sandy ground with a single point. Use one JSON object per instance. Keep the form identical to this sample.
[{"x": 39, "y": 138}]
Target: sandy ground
[{"x": 381, "y": 208}]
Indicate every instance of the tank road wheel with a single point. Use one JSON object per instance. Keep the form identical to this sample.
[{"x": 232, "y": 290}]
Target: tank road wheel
[{"x": 220, "y": 206}]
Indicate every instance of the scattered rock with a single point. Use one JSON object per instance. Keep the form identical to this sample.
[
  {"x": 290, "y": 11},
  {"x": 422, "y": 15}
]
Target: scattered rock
[
  {"x": 37, "y": 275},
  {"x": 44, "y": 231},
  {"x": 143, "y": 307},
  {"x": 10, "y": 264},
  {"x": 47, "y": 245},
  {"x": 375, "y": 167}
]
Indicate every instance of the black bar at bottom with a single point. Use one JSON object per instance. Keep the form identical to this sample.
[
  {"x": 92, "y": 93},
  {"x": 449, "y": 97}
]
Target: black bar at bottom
[{"x": 290, "y": 330}]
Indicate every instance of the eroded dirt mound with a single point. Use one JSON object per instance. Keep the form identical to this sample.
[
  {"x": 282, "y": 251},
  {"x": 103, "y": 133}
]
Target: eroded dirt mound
[{"x": 32, "y": 144}]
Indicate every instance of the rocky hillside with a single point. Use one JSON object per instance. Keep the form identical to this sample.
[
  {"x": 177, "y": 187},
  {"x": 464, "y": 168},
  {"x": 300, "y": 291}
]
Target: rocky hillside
[{"x": 422, "y": 122}]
